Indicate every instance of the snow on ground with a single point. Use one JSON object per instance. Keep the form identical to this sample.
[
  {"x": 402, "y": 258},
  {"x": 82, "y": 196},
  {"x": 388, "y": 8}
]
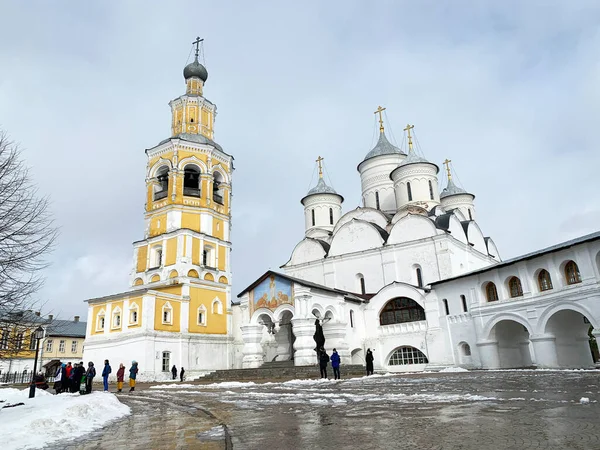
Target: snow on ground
[
  {"x": 48, "y": 418},
  {"x": 453, "y": 369},
  {"x": 584, "y": 400}
]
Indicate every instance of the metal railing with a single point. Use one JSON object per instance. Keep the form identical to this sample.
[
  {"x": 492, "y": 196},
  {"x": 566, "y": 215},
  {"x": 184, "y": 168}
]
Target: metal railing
[
  {"x": 20, "y": 378},
  {"x": 191, "y": 192},
  {"x": 218, "y": 199},
  {"x": 160, "y": 195}
]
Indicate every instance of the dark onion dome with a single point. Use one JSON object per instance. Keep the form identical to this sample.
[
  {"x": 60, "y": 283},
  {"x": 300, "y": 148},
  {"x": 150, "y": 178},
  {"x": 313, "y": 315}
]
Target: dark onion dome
[
  {"x": 383, "y": 147},
  {"x": 195, "y": 69},
  {"x": 322, "y": 188},
  {"x": 452, "y": 189}
]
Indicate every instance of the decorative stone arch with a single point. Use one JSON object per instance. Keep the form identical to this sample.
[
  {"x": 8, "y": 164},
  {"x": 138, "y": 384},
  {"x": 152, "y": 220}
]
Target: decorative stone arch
[
  {"x": 193, "y": 273},
  {"x": 260, "y": 312},
  {"x": 515, "y": 279},
  {"x": 372, "y": 236},
  {"x": 387, "y": 361},
  {"x": 319, "y": 309},
  {"x": 194, "y": 161},
  {"x": 411, "y": 227},
  {"x": 116, "y": 319},
  {"x": 201, "y": 318},
  {"x": 484, "y": 293},
  {"x": 536, "y": 278},
  {"x": 157, "y": 165},
  {"x": 564, "y": 306},
  {"x": 223, "y": 280},
  {"x": 514, "y": 317},
  {"x": 395, "y": 290},
  {"x": 173, "y": 274},
  {"x": 134, "y": 313},
  {"x": 155, "y": 278},
  {"x": 166, "y": 319},
  {"x": 330, "y": 312},
  {"x": 281, "y": 309},
  {"x": 101, "y": 319},
  {"x": 218, "y": 168},
  {"x": 138, "y": 281},
  {"x": 216, "y": 306},
  {"x": 363, "y": 213},
  {"x": 209, "y": 277}
]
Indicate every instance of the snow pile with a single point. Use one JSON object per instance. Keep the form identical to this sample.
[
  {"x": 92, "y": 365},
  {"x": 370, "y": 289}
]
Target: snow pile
[
  {"x": 224, "y": 384},
  {"x": 453, "y": 369},
  {"x": 48, "y": 418},
  {"x": 584, "y": 400}
]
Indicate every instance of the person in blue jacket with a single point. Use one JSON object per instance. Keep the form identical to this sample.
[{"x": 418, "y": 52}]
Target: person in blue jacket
[
  {"x": 105, "y": 373},
  {"x": 335, "y": 363}
]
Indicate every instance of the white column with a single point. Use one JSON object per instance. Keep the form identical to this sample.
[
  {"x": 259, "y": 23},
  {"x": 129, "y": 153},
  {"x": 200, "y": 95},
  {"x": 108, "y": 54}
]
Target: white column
[
  {"x": 304, "y": 345},
  {"x": 488, "y": 353},
  {"x": 544, "y": 347},
  {"x": 252, "y": 351},
  {"x": 335, "y": 337}
]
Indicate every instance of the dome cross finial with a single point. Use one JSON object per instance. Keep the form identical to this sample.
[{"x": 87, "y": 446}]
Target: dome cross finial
[
  {"x": 447, "y": 164},
  {"x": 197, "y": 44},
  {"x": 407, "y": 129},
  {"x": 320, "y": 163},
  {"x": 379, "y": 111}
]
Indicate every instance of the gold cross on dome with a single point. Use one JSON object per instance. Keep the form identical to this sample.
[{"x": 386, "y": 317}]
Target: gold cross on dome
[
  {"x": 379, "y": 111},
  {"x": 447, "y": 164},
  {"x": 407, "y": 129},
  {"x": 320, "y": 163},
  {"x": 197, "y": 44}
]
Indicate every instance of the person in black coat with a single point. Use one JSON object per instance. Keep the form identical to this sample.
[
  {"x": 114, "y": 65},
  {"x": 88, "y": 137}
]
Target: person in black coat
[
  {"x": 323, "y": 360},
  {"x": 174, "y": 372},
  {"x": 181, "y": 372},
  {"x": 369, "y": 360}
]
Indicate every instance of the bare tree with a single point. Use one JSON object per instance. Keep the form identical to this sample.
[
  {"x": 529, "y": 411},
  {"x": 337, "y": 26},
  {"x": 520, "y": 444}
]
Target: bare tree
[{"x": 27, "y": 235}]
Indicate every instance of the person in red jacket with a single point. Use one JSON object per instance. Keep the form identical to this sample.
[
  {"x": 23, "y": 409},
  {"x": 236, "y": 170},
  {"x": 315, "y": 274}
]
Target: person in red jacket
[{"x": 120, "y": 375}]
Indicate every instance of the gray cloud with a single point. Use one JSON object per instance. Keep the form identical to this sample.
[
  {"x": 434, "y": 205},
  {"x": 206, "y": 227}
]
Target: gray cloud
[{"x": 508, "y": 91}]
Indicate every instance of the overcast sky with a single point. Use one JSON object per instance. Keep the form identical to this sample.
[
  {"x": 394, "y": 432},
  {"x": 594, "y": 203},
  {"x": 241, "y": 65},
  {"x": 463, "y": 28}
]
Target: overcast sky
[{"x": 509, "y": 92}]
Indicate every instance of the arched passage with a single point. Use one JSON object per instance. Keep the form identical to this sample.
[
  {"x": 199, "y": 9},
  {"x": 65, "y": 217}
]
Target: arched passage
[
  {"x": 284, "y": 336},
  {"x": 571, "y": 332},
  {"x": 513, "y": 344}
]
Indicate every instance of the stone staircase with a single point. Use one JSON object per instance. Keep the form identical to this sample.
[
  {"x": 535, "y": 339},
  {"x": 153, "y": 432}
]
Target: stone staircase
[{"x": 280, "y": 370}]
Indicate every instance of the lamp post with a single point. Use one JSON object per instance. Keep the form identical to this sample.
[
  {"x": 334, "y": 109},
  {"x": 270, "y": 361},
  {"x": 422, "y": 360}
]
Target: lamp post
[{"x": 37, "y": 335}]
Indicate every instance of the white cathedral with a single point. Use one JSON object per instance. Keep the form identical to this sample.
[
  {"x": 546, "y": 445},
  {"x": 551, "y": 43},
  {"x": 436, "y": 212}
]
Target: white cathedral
[{"x": 409, "y": 274}]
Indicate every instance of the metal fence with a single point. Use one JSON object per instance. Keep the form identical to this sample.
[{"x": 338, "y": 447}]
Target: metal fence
[{"x": 20, "y": 378}]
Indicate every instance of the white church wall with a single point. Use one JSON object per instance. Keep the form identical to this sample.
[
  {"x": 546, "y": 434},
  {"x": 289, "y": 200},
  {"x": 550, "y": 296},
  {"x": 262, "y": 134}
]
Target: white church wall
[
  {"x": 355, "y": 236},
  {"x": 306, "y": 251},
  {"x": 375, "y": 178},
  {"x": 411, "y": 228},
  {"x": 366, "y": 214},
  {"x": 475, "y": 237}
]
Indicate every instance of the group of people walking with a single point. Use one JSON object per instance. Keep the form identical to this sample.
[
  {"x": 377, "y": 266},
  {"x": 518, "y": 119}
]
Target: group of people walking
[
  {"x": 174, "y": 373},
  {"x": 335, "y": 363},
  {"x": 76, "y": 378}
]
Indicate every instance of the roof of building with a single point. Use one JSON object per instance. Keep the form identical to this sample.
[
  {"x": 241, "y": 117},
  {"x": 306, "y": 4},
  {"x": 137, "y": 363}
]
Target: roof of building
[
  {"x": 383, "y": 147},
  {"x": 322, "y": 188},
  {"x": 452, "y": 189},
  {"x": 67, "y": 328},
  {"x": 413, "y": 158},
  {"x": 195, "y": 69},
  {"x": 21, "y": 316},
  {"x": 348, "y": 295},
  {"x": 196, "y": 138},
  {"x": 553, "y": 248}
]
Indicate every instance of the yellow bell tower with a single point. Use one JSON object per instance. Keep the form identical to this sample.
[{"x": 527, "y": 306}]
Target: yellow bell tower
[{"x": 188, "y": 183}]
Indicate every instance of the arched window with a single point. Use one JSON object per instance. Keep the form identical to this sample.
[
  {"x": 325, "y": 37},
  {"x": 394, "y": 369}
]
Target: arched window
[
  {"x": 361, "y": 283},
  {"x": 430, "y": 190},
  {"x": 491, "y": 293},
  {"x": 401, "y": 310},
  {"x": 351, "y": 319},
  {"x": 465, "y": 349},
  {"x": 572, "y": 274},
  {"x": 419, "y": 277},
  {"x": 133, "y": 314},
  {"x": 191, "y": 181},
  {"x": 330, "y": 216},
  {"x": 201, "y": 316},
  {"x": 514, "y": 287},
  {"x": 217, "y": 306},
  {"x": 463, "y": 300},
  {"x": 544, "y": 280},
  {"x": 167, "y": 314},
  {"x": 217, "y": 188},
  {"x": 470, "y": 215},
  {"x": 446, "y": 309},
  {"x": 100, "y": 320},
  {"x": 116, "y": 318},
  {"x": 156, "y": 257},
  {"x": 407, "y": 355},
  {"x": 377, "y": 200},
  {"x": 312, "y": 215},
  {"x": 409, "y": 191},
  {"x": 161, "y": 190}
]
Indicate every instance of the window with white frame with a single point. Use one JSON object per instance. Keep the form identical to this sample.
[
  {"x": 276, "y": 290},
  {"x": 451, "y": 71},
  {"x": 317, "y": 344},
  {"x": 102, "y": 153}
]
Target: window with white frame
[
  {"x": 133, "y": 314},
  {"x": 201, "y": 315},
  {"x": 61, "y": 346},
  {"x": 4, "y": 340},
  {"x": 217, "y": 306},
  {"x": 32, "y": 341},
  {"x": 166, "y": 361},
  {"x": 49, "y": 344},
  {"x": 73, "y": 346},
  {"x": 157, "y": 254},
  {"x": 19, "y": 342},
  {"x": 407, "y": 355},
  {"x": 116, "y": 318},
  {"x": 167, "y": 314},
  {"x": 100, "y": 320}
]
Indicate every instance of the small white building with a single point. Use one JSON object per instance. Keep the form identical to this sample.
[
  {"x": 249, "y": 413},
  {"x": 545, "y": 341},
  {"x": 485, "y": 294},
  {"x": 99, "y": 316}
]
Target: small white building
[{"x": 410, "y": 275}]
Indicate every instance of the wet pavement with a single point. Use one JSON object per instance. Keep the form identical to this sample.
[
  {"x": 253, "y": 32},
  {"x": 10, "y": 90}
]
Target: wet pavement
[{"x": 471, "y": 410}]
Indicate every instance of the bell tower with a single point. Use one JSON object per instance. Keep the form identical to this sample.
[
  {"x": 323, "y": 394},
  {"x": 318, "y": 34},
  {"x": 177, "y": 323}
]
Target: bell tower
[{"x": 188, "y": 194}]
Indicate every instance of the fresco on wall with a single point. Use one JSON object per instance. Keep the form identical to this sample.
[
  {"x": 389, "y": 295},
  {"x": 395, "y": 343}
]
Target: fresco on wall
[{"x": 271, "y": 293}]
